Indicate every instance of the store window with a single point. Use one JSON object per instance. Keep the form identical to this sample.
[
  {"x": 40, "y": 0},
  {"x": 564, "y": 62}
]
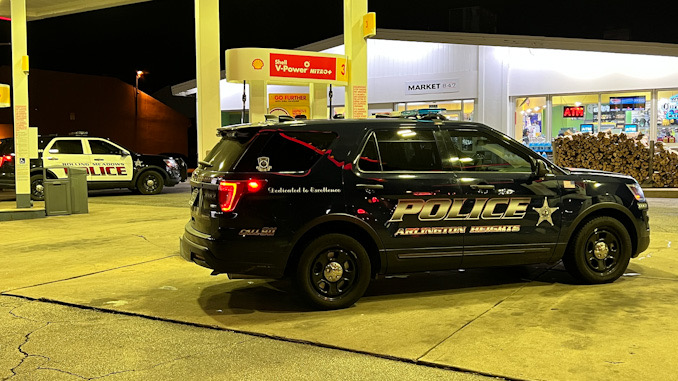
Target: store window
[
  {"x": 627, "y": 112},
  {"x": 468, "y": 109},
  {"x": 452, "y": 109},
  {"x": 574, "y": 113},
  {"x": 667, "y": 116},
  {"x": 530, "y": 120}
]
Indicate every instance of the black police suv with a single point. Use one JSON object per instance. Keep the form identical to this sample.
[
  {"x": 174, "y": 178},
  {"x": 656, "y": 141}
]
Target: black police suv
[
  {"x": 336, "y": 203},
  {"x": 108, "y": 165}
]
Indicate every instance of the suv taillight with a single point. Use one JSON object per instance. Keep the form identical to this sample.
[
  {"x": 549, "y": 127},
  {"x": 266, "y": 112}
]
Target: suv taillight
[
  {"x": 637, "y": 191},
  {"x": 5, "y": 158},
  {"x": 231, "y": 191}
]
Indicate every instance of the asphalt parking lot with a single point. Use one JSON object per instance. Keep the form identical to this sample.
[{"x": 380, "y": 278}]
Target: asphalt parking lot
[{"x": 106, "y": 294}]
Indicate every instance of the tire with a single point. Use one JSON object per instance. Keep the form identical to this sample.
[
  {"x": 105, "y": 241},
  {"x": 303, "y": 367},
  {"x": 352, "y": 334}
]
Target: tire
[
  {"x": 37, "y": 188},
  {"x": 600, "y": 252},
  {"x": 150, "y": 182},
  {"x": 333, "y": 271}
]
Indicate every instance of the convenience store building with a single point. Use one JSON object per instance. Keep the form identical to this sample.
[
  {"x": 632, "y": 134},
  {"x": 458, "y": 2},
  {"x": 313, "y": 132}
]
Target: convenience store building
[{"x": 532, "y": 88}]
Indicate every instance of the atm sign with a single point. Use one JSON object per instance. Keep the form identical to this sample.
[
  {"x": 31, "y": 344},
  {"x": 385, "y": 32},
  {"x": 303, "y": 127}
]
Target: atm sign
[{"x": 573, "y": 112}]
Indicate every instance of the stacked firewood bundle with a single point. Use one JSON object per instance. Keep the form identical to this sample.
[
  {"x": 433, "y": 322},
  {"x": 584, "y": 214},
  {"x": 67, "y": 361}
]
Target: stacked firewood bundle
[
  {"x": 665, "y": 165},
  {"x": 619, "y": 153}
]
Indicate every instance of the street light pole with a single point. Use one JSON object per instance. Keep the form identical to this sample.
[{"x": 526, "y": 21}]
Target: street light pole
[
  {"x": 136, "y": 83},
  {"x": 136, "y": 101}
]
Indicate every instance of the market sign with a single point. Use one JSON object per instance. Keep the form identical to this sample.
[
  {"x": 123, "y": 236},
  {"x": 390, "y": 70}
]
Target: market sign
[
  {"x": 278, "y": 66},
  {"x": 573, "y": 111},
  {"x": 432, "y": 86}
]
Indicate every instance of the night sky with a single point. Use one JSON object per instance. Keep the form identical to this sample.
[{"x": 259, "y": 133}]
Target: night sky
[{"x": 158, "y": 36}]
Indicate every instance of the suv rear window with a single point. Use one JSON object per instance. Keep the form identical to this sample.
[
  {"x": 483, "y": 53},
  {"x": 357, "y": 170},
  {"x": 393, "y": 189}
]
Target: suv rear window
[
  {"x": 286, "y": 151},
  {"x": 228, "y": 150}
]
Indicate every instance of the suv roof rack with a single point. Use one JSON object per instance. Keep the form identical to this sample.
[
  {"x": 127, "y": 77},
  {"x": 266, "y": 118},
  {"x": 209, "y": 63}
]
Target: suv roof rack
[{"x": 278, "y": 118}]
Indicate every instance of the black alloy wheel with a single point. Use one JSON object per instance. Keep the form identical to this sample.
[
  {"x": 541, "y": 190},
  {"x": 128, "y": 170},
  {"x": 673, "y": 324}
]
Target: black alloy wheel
[
  {"x": 150, "y": 182},
  {"x": 333, "y": 271},
  {"x": 37, "y": 188},
  {"x": 601, "y": 251}
]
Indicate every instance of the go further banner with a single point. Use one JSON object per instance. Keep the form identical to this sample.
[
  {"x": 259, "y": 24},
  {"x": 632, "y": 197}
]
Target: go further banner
[{"x": 289, "y": 104}]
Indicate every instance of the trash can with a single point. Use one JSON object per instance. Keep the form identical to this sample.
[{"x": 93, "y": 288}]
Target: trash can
[
  {"x": 78, "y": 185},
  {"x": 57, "y": 196}
]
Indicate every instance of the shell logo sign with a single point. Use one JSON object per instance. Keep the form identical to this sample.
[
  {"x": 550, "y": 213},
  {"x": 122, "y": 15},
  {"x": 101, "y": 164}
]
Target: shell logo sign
[
  {"x": 257, "y": 64},
  {"x": 307, "y": 67},
  {"x": 285, "y": 66}
]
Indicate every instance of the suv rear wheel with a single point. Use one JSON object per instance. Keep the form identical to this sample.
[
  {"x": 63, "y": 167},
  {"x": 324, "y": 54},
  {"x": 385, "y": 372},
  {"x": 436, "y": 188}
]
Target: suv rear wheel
[
  {"x": 601, "y": 251},
  {"x": 150, "y": 182},
  {"x": 333, "y": 271}
]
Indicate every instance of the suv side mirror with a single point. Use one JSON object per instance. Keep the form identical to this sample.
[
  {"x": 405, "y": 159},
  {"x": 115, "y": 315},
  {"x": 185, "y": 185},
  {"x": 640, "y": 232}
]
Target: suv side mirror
[
  {"x": 124, "y": 152},
  {"x": 541, "y": 170}
]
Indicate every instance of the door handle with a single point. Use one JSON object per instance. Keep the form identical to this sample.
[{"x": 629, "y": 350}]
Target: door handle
[
  {"x": 482, "y": 186},
  {"x": 99, "y": 159},
  {"x": 52, "y": 158},
  {"x": 370, "y": 186}
]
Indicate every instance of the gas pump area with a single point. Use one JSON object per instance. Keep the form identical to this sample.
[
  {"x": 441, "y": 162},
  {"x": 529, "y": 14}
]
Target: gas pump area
[{"x": 106, "y": 294}]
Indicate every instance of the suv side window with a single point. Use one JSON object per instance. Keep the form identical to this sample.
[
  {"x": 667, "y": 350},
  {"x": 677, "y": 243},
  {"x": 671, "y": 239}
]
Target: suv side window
[
  {"x": 369, "y": 158},
  {"x": 401, "y": 150},
  {"x": 285, "y": 151},
  {"x": 476, "y": 151},
  {"x": 66, "y": 147},
  {"x": 100, "y": 147}
]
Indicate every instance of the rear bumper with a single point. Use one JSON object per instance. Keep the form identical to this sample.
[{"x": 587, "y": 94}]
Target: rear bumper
[
  {"x": 229, "y": 257},
  {"x": 193, "y": 252}
]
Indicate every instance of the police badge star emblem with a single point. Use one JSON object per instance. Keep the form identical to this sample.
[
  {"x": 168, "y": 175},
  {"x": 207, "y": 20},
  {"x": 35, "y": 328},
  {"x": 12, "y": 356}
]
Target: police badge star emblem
[
  {"x": 545, "y": 212},
  {"x": 264, "y": 164}
]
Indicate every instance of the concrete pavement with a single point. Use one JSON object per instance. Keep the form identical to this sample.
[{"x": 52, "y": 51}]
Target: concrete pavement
[
  {"x": 48, "y": 341},
  {"x": 522, "y": 323}
]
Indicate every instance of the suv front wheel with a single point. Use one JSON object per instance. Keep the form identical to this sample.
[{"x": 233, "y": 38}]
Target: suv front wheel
[
  {"x": 37, "y": 188},
  {"x": 600, "y": 252},
  {"x": 150, "y": 182},
  {"x": 333, "y": 271}
]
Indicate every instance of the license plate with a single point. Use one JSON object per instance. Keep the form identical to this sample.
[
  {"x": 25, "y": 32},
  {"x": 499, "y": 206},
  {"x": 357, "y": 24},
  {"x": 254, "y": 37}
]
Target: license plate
[{"x": 194, "y": 196}]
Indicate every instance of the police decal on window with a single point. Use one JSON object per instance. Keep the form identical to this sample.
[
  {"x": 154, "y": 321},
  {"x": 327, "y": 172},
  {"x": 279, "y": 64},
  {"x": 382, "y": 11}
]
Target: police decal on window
[{"x": 264, "y": 164}]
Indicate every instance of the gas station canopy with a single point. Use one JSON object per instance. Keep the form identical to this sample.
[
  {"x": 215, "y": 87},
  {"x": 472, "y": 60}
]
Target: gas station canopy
[{"x": 42, "y": 9}]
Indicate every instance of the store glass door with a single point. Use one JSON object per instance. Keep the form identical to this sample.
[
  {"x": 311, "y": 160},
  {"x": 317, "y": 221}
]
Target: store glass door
[{"x": 530, "y": 118}]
